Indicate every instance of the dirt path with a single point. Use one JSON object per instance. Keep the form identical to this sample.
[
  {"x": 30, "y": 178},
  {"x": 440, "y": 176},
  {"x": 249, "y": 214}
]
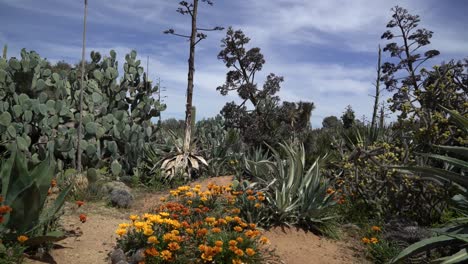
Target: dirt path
[{"x": 98, "y": 236}]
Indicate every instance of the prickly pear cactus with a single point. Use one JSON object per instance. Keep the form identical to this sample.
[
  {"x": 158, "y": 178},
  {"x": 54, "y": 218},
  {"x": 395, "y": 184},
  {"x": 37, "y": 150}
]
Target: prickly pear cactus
[{"x": 38, "y": 110}]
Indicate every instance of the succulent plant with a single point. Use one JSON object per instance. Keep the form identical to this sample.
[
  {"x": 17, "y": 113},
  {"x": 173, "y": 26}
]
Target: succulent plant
[{"x": 39, "y": 110}]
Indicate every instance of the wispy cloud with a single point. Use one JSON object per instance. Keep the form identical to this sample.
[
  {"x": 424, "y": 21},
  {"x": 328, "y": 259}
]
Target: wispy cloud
[{"x": 325, "y": 49}]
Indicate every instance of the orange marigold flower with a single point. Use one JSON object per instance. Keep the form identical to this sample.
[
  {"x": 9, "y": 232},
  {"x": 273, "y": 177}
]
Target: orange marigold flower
[
  {"x": 202, "y": 232},
  {"x": 257, "y": 205},
  {"x": 365, "y": 240},
  {"x": 173, "y": 246},
  {"x": 376, "y": 228},
  {"x": 261, "y": 198},
  {"x": 232, "y": 243},
  {"x": 83, "y": 218},
  {"x": 120, "y": 232},
  {"x": 330, "y": 191},
  {"x": 210, "y": 220},
  {"x": 151, "y": 252},
  {"x": 249, "y": 192},
  {"x": 79, "y": 203},
  {"x": 166, "y": 254},
  {"x": 251, "y": 198},
  {"x": 264, "y": 240},
  {"x": 250, "y": 251},
  {"x": 216, "y": 230},
  {"x": 240, "y": 239},
  {"x": 374, "y": 240},
  {"x": 22, "y": 238},
  {"x": 5, "y": 209},
  {"x": 238, "y": 229},
  {"x": 219, "y": 243},
  {"x": 239, "y": 252},
  {"x": 236, "y": 261}
]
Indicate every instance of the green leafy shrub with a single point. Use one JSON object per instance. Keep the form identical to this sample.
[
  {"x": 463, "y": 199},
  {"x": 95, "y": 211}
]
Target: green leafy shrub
[{"x": 455, "y": 234}]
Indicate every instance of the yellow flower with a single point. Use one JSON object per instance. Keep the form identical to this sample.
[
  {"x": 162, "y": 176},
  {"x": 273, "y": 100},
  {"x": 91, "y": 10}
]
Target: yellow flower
[
  {"x": 121, "y": 232},
  {"x": 134, "y": 217},
  {"x": 210, "y": 220},
  {"x": 236, "y": 261},
  {"x": 148, "y": 231},
  {"x": 374, "y": 240},
  {"x": 365, "y": 240},
  {"x": 22, "y": 239},
  {"x": 166, "y": 255},
  {"x": 189, "y": 231},
  {"x": 123, "y": 226},
  {"x": 162, "y": 199},
  {"x": 250, "y": 251},
  {"x": 153, "y": 240},
  {"x": 164, "y": 214}
]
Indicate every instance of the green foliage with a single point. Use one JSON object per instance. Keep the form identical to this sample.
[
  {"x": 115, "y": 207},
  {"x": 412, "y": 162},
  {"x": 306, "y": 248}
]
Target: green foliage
[
  {"x": 455, "y": 234},
  {"x": 25, "y": 191},
  {"x": 39, "y": 109},
  {"x": 221, "y": 147},
  {"x": 348, "y": 117},
  {"x": 295, "y": 195}
]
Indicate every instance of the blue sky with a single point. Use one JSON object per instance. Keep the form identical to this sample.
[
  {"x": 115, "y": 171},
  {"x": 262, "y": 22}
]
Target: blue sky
[{"x": 325, "y": 49}]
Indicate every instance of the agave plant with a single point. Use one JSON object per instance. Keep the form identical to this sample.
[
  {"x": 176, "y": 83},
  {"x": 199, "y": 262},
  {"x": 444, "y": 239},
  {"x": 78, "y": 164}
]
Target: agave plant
[
  {"x": 456, "y": 234},
  {"x": 178, "y": 162},
  {"x": 296, "y": 195},
  {"x": 26, "y": 191}
]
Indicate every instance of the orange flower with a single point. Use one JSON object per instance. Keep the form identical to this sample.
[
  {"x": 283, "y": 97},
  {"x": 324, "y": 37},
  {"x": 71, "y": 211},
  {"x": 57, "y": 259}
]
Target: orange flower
[
  {"x": 257, "y": 205},
  {"x": 53, "y": 183},
  {"x": 173, "y": 246},
  {"x": 374, "y": 240},
  {"x": 5, "y": 209},
  {"x": 151, "y": 252},
  {"x": 82, "y": 218},
  {"x": 365, "y": 240},
  {"x": 22, "y": 239},
  {"x": 79, "y": 203},
  {"x": 238, "y": 229},
  {"x": 249, "y": 192},
  {"x": 250, "y": 251},
  {"x": 264, "y": 240},
  {"x": 240, "y": 239},
  {"x": 239, "y": 252},
  {"x": 216, "y": 230},
  {"x": 219, "y": 243},
  {"x": 376, "y": 228},
  {"x": 251, "y": 198},
  {"x": 330, "y": 191}
]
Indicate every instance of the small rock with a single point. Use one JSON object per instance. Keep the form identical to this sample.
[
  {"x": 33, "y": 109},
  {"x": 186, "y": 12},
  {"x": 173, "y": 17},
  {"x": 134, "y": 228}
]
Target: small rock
[
  {"x": 113, "y": 185},
  {"x": 121, "y": 198},
  {"x": 118, "y": 256},
  {"x": 139, "y": 256}
]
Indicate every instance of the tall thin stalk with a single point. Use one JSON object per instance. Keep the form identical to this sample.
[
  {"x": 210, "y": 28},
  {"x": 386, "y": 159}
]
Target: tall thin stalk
[
  {"x": 377, "y": 90},
  {"x": 80, "y": 122}
]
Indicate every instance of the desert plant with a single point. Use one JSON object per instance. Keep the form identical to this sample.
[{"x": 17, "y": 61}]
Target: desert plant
[
  {"x": 296, "y": 195},
  {"x": 25, "y": 192},
  {"x": 456, "y": 234}
]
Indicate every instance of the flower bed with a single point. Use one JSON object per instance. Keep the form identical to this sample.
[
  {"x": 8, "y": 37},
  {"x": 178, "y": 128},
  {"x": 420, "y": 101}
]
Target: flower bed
[{"x": 194, "y": 226}]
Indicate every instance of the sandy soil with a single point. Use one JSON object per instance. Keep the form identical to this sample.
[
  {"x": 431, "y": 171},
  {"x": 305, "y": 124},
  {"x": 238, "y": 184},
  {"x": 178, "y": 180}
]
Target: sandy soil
[{"x": 96, "y": 237}]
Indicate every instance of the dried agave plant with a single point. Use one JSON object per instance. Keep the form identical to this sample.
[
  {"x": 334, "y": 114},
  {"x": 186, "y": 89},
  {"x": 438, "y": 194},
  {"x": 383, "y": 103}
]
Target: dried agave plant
[{"x": 180, "y": 163}]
